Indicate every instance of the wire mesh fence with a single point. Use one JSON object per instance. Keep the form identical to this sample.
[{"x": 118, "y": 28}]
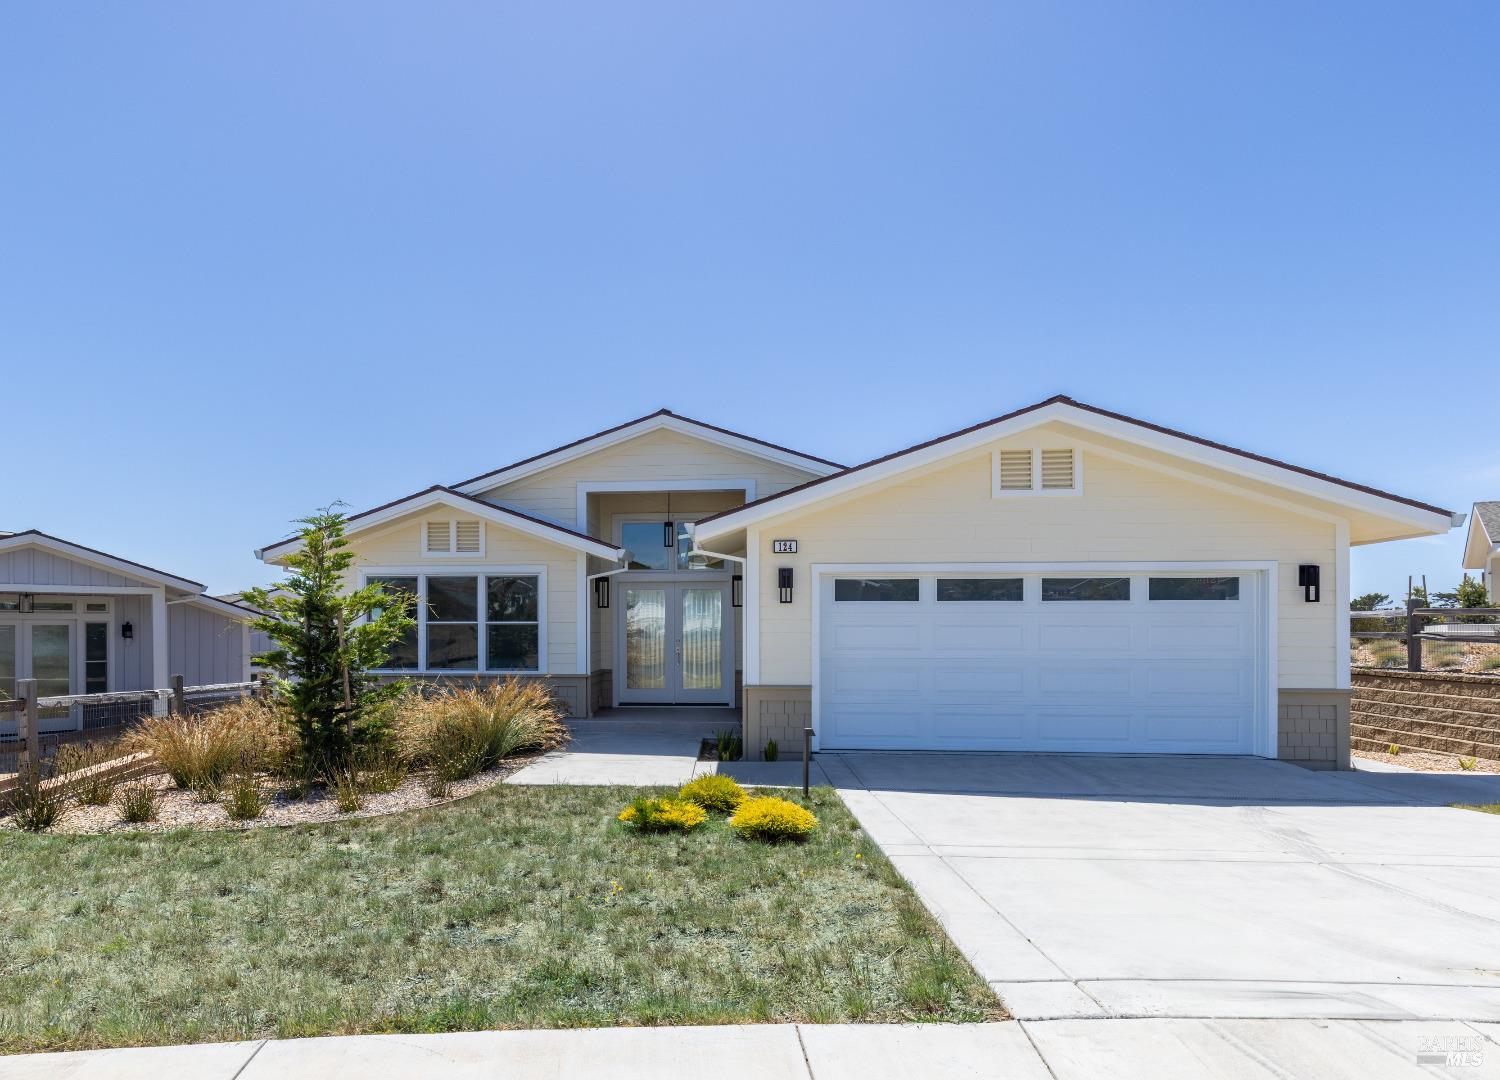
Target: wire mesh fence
[{"x": 102, "y": 718}]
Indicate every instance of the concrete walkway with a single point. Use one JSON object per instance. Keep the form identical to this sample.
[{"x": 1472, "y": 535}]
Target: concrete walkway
[
  {"x": 1086, "y": 886},
  {"x": 650, "y": 748},
  {"x": 1039, "y": 1050}
]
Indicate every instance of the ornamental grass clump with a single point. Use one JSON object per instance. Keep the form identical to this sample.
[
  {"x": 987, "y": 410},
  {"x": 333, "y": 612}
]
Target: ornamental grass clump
[
  {"x": 90, "y": 777},
  {"x": 773, "y": 820},
  {"x": 138, "y": 803},
  {"x": 663, "y": 815},
  {"x": 200, "y": 751},
  {"x": 36, "y": 801},
  {"x": 460, "y": 731},
  {"x": 714, "y": 792}
]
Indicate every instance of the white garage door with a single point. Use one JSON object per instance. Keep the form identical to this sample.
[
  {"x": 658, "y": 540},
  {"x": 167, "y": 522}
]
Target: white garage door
[{"x": 1104, "y": 662}]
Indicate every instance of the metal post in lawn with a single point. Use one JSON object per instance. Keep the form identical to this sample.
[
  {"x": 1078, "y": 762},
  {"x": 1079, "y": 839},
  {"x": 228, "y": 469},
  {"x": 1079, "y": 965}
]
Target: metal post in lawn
[
  {"x": 807, "y": 738},
  {"x": 1413, "y": 642},
  {"x": 26, "y": 724},
  {"x": 179, "y": 698}
]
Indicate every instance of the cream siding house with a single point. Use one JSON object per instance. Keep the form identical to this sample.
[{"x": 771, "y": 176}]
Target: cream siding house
[{"x": 1061, "y": 578}]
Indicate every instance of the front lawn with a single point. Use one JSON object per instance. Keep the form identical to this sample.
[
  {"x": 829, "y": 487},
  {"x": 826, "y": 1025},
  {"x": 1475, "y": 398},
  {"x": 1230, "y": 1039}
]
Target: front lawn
[
  {"x": 519, "y": 907},
  {"x": 1483, "y": 808}
]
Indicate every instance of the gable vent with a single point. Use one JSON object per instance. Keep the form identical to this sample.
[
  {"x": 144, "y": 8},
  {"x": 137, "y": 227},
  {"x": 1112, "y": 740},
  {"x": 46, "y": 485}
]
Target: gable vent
[
  {"x": 1015, "y": 470},
  {"x": 438, "y": 537},
  {"x": 466, "y": 536},
  {"x": 1057, "y": 470}
]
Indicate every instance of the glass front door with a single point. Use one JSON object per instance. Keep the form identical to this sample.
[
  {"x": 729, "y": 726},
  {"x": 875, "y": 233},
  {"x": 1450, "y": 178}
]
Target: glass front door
[
  {"x": 672, "y": 644},
  {"x": 52, "y": 658}
]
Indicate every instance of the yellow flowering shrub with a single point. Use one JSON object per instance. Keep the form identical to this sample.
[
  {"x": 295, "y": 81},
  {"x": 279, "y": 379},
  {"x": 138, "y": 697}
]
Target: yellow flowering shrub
[
  {"x": 714, "y": 792},
  {"x": 662, "y": 815},
  {"x": 772, "y": 819}
]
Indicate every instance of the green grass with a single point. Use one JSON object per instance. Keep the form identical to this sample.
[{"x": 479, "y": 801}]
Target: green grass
[
  {"x": 520, "y": 907},
  {"x": 1483, "y": 808}
]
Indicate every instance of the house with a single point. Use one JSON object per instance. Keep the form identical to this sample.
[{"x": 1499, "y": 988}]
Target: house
[
  {"x": 80, "y": 621},
  {"x": 1060, "y": 578},
  {"x": 1482, "y": 546}
]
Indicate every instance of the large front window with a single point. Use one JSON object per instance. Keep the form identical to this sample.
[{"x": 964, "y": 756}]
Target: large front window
[{"x": 462, "y": 618}]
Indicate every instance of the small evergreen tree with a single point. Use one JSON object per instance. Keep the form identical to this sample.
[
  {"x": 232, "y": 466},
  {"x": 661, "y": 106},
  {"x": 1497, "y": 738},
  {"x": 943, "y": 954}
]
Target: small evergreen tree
[
  {"x": 327, "y": 641},
  {"x": 1369, "y": 601}
]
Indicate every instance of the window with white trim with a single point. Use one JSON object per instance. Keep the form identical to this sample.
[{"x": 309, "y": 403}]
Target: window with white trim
[
  {"x": 455, "y": 537},
  {"x": 463, "y": 619},
  {"x": 1036, "y": 471}
]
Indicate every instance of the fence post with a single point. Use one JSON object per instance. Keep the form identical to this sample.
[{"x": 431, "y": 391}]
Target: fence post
[
  {"x": 1413, "y": 642},
  {"x": 807, "y": 738},
  {"x": 179, "y": 699},
  {"x": 26, "y": 724}
]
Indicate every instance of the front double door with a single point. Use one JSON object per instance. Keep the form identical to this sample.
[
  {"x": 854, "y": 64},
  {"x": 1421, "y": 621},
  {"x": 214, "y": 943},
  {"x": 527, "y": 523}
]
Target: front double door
[{"x": 674, "y": 642}]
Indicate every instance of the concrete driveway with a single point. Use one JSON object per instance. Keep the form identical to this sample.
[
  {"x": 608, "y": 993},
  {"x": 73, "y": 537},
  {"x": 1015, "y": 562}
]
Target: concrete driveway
[{"x": 1092, "y": 886}]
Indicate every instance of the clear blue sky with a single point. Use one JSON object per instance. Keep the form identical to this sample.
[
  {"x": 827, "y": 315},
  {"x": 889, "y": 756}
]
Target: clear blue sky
[{"x": 255, "y": 258}]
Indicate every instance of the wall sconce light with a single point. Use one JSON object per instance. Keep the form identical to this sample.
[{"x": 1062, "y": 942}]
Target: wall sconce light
[
  {"x": 784, "y": 584},
  {"x": 1307, "y": 578},
  {"x": 601, "y": 592},
  {"x": 26, "y": 604},
  {"x": 669, "y": 534},
  {"x": 737, "y": 591},
  {"x": 127, "y": 630}
]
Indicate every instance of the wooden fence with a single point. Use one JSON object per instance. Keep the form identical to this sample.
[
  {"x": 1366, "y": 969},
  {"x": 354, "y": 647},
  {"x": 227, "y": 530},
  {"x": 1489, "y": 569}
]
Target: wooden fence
[{"x": 31, "y": 745}]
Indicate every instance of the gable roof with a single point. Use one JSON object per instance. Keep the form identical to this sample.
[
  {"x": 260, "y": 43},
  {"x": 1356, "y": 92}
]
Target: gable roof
[
  {"x": 1488, "y": 516},
  {"x": 194, "y": 590},
  {"x": 37, "y": 538},
  {"x": 641, "y": 425},
  {"x": 1066, "y": 409},
  {"x": 1484, "y": 535},
  {"x": 438, "y": 495}
]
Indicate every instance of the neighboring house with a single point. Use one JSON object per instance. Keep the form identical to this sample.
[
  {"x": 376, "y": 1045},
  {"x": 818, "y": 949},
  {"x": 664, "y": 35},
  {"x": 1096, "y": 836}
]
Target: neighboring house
[
  {"x": 1061, "y": 578},
  {"x": 1482, "y": 547},
  {"x": 260, "y": 641},
  {"x": 80, "y": 621}
]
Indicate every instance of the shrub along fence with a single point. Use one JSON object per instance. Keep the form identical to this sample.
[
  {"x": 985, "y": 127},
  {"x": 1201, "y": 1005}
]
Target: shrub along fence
[
  {"x": 42, "y": 725},
  {"x": 1446, "y": 712}
]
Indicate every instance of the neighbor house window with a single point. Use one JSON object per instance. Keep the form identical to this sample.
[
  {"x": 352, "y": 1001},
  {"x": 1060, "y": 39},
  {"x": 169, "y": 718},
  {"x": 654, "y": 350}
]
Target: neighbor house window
[
  {"x": 96, "y": 658},
  {"x": 463, "y": 618},
  {"x": 1194, "y": 588},
  {"x": 876, "y": 589},
  {"x": 960, "y": 590},
  {"x": 1092, "y": 588}
]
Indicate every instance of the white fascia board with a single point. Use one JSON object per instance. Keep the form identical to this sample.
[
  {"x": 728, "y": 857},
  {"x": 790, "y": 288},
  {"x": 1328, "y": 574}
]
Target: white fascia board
[
  {"x": 645, "y": 427},
  {"x": 1425, "y": 522},
  {"x": 97, "y": 559},
  {"x": 496, "y": 515}
]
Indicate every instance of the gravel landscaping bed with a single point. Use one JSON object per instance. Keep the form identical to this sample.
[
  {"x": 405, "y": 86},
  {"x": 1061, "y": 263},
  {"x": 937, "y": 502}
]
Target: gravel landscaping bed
[
  {"x": 179, "y": 809},
  {"x": 1429, "y": 761}
]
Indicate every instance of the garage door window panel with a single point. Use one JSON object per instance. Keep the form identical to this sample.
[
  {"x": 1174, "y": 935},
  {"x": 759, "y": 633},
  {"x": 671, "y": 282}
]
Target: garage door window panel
[
  {"x": 980, "y": 590},
  {"x": 876, "y": 590},
  {"x": 1094, "y": 589},
  {"x": 1194, "y": 588}
]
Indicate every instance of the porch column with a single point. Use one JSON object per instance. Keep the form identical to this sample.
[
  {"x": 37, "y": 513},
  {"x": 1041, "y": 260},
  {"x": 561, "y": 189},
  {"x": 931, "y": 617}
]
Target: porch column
[{"x": 159, "y": 658}]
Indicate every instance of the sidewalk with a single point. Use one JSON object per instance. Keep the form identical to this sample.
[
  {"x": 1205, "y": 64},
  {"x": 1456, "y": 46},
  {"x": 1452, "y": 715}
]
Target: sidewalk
[{"x": 1152, "y": 1049}]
